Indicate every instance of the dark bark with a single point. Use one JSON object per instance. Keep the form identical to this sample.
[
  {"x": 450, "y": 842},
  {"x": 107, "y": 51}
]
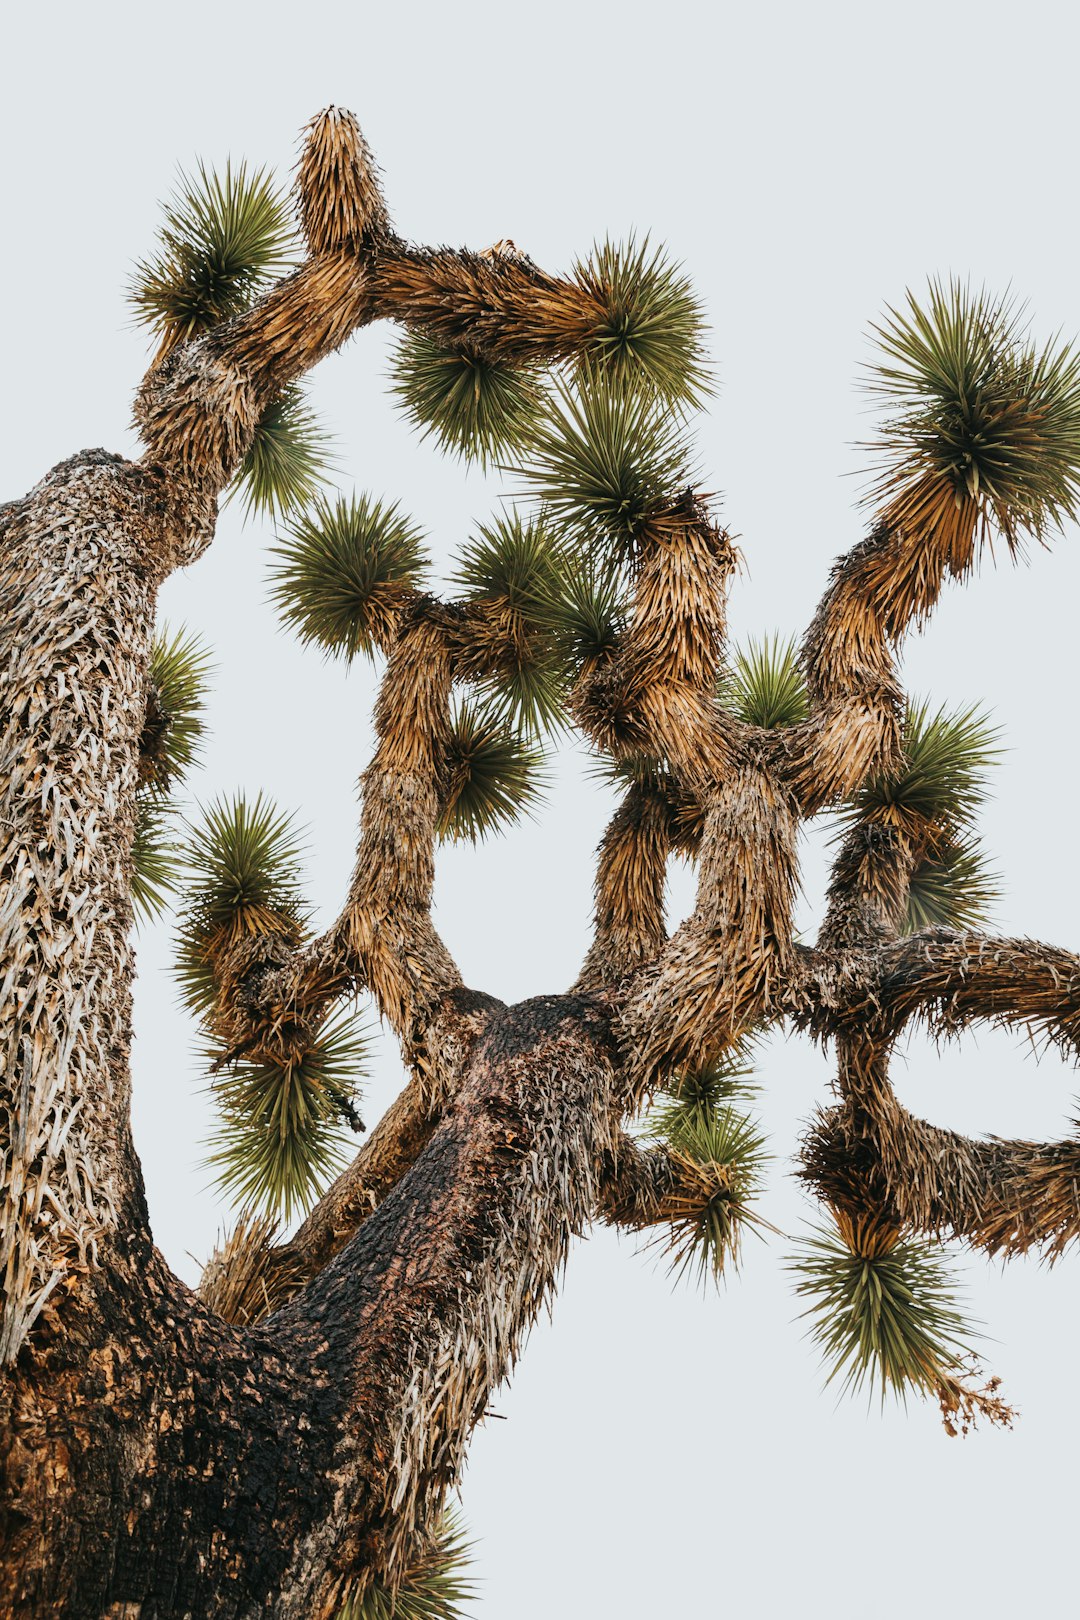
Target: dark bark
[{"x": 159, "y": 1458}]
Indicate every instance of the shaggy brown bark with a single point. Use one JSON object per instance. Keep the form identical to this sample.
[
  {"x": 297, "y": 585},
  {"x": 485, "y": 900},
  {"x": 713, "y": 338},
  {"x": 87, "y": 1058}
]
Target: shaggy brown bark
[{"x": 269, "y": 1448}]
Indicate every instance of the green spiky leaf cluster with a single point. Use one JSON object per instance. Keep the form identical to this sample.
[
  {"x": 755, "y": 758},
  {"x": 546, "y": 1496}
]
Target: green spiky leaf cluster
[
  {"x": 606, "y": 460},
  {"x": 882, "y": 1309},
  {"x": 155, "y": 858},
  {"x": 171, "y": 741},
  {"x": 345, "y": 571},
  {"x": 477, "y": 408},
  {"x": 223, "y": 239},
  {"x": 721, "y": 1156},
  {"x": 514, "y": 572},
  {"x": 593, "y": 614},
  {"x": 934, "y": 798},
  {"x": 175, "y": 725},
  {"x": 765, "y": 686},
  {"x": 281, "y": 1116},
  {"x": 692, "y": 1094},
  {"x": 955, "y": 889},
  {"x": 280, "y": 1140},
  {"x": 434, "y": 1587},
  {"x": 493, "y": 775},
  {"x": 981, "y": 414},
  {"x": 243, "y": 867},
  {"x": 286, "y": 464},
  {"x": 650, "y": 336},
  {"x": 942, "y": 782}
]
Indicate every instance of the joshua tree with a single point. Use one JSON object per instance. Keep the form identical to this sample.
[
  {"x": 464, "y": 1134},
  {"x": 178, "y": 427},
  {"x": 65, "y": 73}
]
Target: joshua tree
[{"x": 283, "y": 1443}]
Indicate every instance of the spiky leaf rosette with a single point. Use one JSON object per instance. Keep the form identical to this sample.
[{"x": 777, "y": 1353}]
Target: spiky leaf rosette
[
  {"x": 223, "y": 239},
  {"x": 286, "y": 463},
  {"x": 593, "y": 613},
  {"x": 765, "y": 686},
  {"x": 156, "y": 857},
  {"x": 513, "y": 576},
  {"x": 698, "y": 1093},
  {"x": 483, "y": 410},
  {"x": 720, "y": 1155},
  {"x": 345, "y": 572},
  {"x": 986, "y": 430},
  {"x": 606, "y": 460},
  {"x": 281, "y": 1136},
  {"x": 882, "y": 1308},
  {"x": 942, "y": 783},
  {"x": 174, "y": 728},
  {"x": 492, "y": 775},
  {"x": 651, "y": 334},
  {"x": 242, "y": 866},
  {"x": 956, "y": 889},
  {"x": 434, "y": 1585}
]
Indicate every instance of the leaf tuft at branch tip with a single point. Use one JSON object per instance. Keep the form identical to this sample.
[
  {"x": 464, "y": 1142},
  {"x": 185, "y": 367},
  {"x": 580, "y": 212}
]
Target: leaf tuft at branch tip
[
  {"x": 651, "y": 335},
  {"x": 493, "y": 776},
  {"x": 223, "y": 239},
  {"x": 985, "y": 434},
  {"x": 174, "y": 728},
  {"x": 942, "y": 782},
  {"x": 482, "y": 410},
  {"x": 344, "y": 572},
  {"x": 286, "y": 464},
  {"x": 513, "y": 578},
  {"x": 605, "y": 461},
  {"x": 882, "y": 1308},
  {"x": 281, "y": 1138},
  {"x": 765, "y": 685},
  {"x": 156, "y": 857},
  {"x": 242, "y": 883}
]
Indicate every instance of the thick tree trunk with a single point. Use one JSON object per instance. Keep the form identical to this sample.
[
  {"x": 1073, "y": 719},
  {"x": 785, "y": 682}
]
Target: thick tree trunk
[{"x": 160, "y": 1462}]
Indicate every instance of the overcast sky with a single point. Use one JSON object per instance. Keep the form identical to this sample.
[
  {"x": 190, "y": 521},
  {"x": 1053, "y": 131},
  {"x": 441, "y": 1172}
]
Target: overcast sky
[{"x": 663, "y": 1453}]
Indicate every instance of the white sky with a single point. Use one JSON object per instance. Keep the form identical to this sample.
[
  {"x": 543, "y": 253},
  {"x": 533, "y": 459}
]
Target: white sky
[{"x": 663, "y": 1452}]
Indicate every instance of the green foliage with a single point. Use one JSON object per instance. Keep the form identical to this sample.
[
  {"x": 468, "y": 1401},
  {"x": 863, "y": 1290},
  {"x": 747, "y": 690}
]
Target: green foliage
[
  {"x": 242, "y": 865},
  {"x": 286, "y": 464},
  {"x": 765, "y": 686},
  {"x": 173, "y": 731},
  {"x": 650, "y": 336},
  {"x": 477, "y": 408},
  {"x": 881, "y": 1308},
  {"x": 280, "y": 1139},
  {"x": 434, "y": 1586},
  {"x": 592, "y": 615},
  {"x": 223, "y": 239},
  {"x": 345, "y": 571},
  {"x": 943, "y": 781},
  {"x": 175, "y": 726},
  {"x": 981, "y": 412},
  {"x": 956, "y": 889},
  {"x": 517, "y": 571},
  {"x": 493, "y": 776},
  {"x": 156, "y": 858},
  {"x": 721, "y": 1157},
  {"x": 697, "y": 1093},
  {"x": 606, "y": 460}
]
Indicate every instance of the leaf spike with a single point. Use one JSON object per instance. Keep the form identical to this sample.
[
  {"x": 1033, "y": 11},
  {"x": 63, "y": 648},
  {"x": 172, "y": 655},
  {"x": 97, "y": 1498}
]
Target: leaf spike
[
  {"x": 345, "y": 571},
  {"x": 651, "y": 333},
  {"x": 984, "y": 434},
  {"x": 286, "y": 463},
  {"x": 475, "y": 407},
  {"x": 223, "y": 239}
]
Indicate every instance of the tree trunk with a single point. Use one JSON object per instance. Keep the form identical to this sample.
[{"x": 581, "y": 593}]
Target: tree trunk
[{"x": 156, "y": 1460}]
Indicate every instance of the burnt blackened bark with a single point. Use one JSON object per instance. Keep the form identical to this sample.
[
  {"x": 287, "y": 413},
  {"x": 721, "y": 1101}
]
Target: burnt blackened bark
[{"x": 160, "y": 1463}]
